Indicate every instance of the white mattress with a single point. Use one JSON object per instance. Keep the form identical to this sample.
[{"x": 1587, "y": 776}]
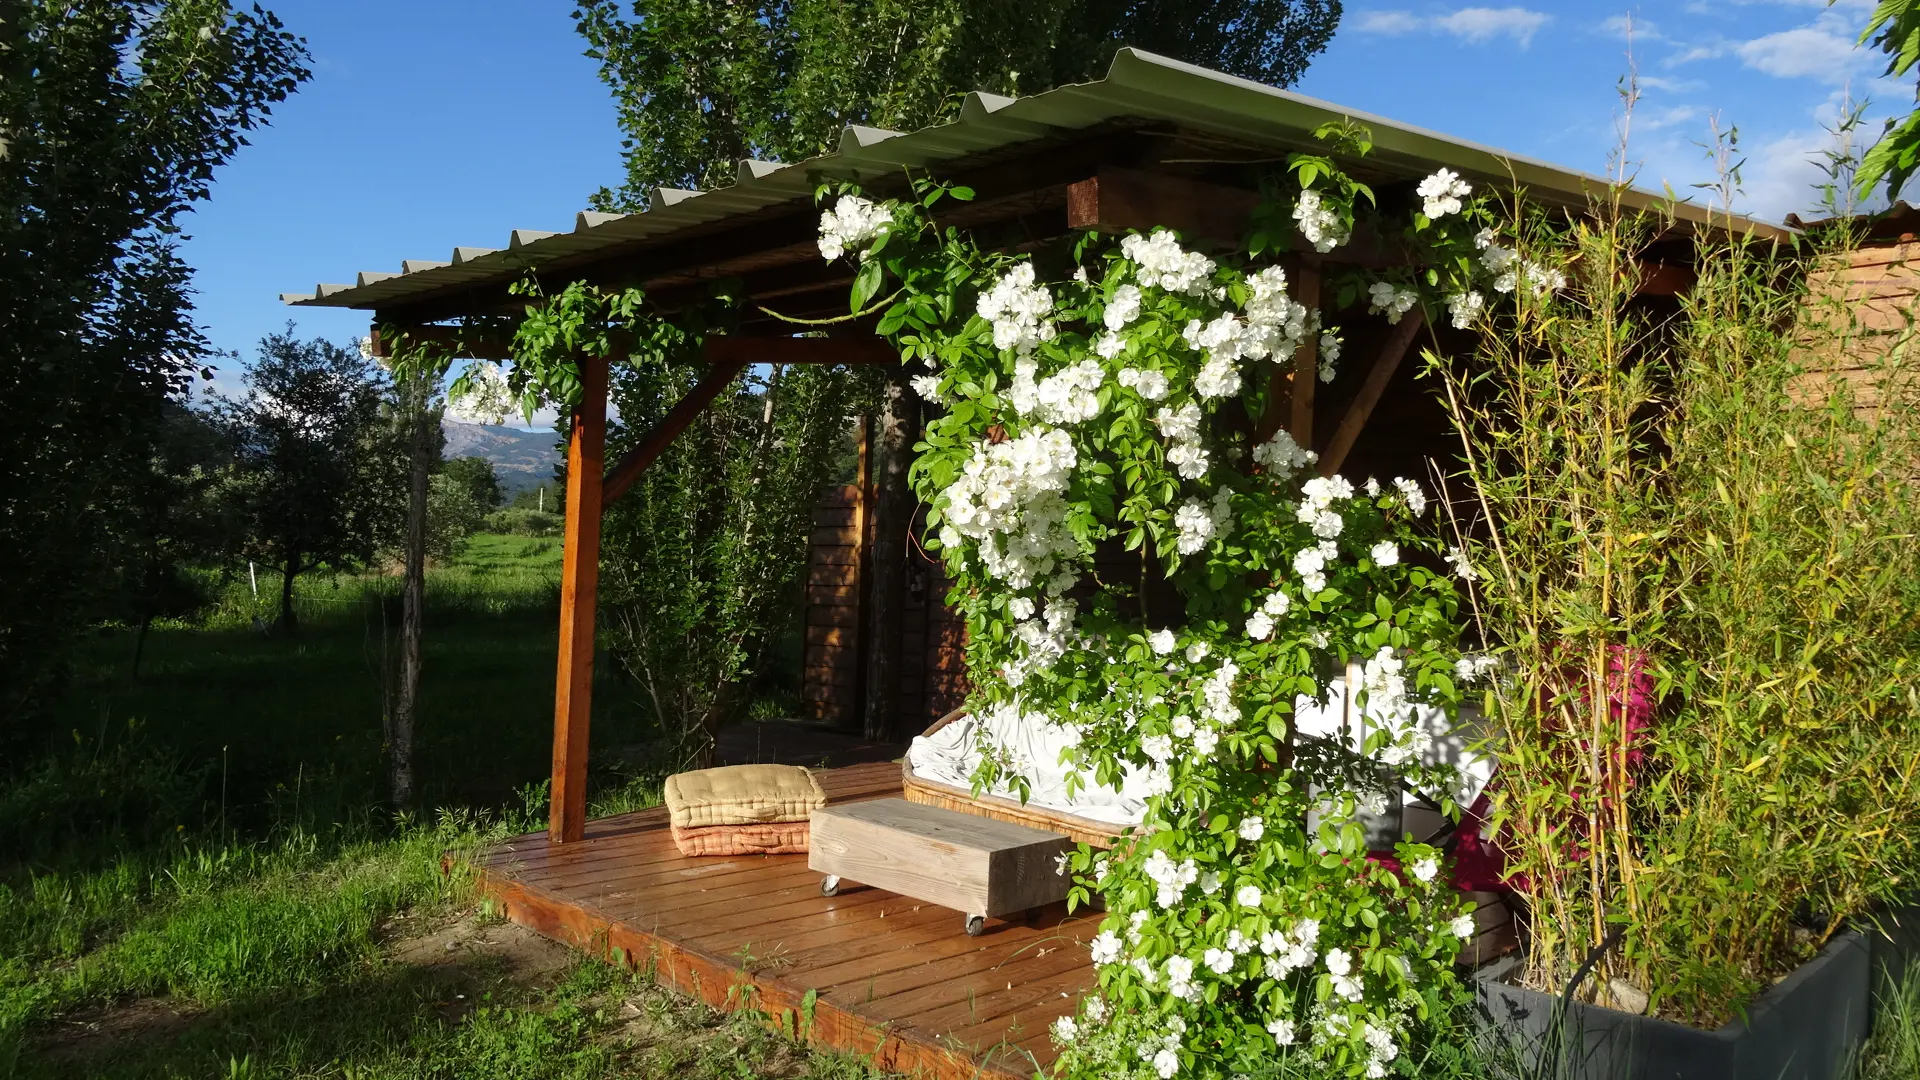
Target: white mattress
[{"x": 950, "y": 755}]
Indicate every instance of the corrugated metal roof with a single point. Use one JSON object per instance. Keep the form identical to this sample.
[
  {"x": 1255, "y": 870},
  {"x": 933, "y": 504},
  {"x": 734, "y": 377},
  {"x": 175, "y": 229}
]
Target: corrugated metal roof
[{"x": 1138, "y": 86}]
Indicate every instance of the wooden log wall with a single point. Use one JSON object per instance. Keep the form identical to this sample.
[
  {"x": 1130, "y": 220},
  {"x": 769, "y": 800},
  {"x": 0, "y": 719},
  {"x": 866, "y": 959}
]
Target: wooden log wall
[
  {"x": 1863, "y": 308},
  {"x": 933, "y": 657}
]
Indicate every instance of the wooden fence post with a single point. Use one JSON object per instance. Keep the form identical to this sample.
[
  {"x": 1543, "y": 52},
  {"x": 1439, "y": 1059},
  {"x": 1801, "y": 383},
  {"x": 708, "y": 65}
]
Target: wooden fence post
[{"x": 579, "y": 587}]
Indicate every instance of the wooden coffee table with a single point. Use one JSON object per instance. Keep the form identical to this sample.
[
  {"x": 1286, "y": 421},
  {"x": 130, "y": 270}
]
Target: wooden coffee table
[{"x": 978, "y": 866}]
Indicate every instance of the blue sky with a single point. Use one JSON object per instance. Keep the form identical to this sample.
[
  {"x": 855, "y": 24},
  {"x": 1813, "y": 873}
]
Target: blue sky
[{"x": 435, "y": 123}]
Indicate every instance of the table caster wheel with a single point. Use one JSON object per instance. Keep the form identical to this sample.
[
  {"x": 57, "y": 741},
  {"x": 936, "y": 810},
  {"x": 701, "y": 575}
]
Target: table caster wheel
[
  {"x": 975, "y": 925},
  {"x": 830, "y": 885}
]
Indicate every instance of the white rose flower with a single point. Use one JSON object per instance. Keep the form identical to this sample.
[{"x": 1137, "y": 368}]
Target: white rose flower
[
  {"x": 1197, "y": 652},
  {"x": 1065, "y": 1030},
  {"x": 1259, "y": 626},
  {"x": 1251, "y": 828},
  {"x": 1410, "y": 491},
  {"x": 1247, "y": 896},
  {"x": 1282, "y": 1031},
  {"x": 1442, "y": 193},
  {"x": 1385, "y": 553},
  {"x": 1123, "y": 308},
  {"x": 1425, "y": 870},
  {"x": 1457, "y": 558},
  {"x": 1218, "y": 961},
  {"x": 928, "y": 387},
  {"x": 1462, "y": 927},
  {"x": 1106, "y": 947},
  {"x": 1161, "y": 642},
  {"x": 1339, "y": 962}
]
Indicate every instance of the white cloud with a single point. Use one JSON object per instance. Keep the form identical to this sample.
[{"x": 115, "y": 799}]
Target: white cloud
[
  {"x": 1659, "y": 119},
  {"x": 1623, "y": 26},
  {"x": 1783, "y": 174},
  {"x": 1697, "y": 52},
  {"x": 1390, "y": 22},
  {"x": 1480, "y": 24},
  {"x": 1672, "y": 86},
  {"x": 1476, "y": 25},
  {"x": 1807, "y": 52}
]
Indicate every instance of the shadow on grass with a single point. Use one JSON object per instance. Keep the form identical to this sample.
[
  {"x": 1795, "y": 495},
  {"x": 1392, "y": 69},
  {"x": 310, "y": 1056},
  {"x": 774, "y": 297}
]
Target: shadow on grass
[{"x": 463, "y": 1017}]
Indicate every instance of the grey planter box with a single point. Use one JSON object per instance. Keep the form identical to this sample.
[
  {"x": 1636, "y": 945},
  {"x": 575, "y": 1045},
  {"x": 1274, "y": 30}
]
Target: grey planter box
[{"x": 1808, "y": 1026}]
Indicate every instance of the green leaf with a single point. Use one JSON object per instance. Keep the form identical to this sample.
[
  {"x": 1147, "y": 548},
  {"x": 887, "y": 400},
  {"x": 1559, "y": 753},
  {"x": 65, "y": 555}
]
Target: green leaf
[{"x": 865, "y": 285}]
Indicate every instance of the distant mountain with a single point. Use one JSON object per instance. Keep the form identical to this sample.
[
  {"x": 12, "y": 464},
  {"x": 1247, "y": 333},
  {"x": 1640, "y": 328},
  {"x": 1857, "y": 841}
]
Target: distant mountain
[{"x": 523, "y": 459}]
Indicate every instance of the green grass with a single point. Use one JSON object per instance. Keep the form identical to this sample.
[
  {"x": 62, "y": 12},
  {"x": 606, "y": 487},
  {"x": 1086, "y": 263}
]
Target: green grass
[
  {"x": 294, "y": 726},
  {"x": 203, "y": 844}
]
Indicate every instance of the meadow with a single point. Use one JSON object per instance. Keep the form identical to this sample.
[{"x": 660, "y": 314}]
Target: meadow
[{"x": 197, "y": 880}]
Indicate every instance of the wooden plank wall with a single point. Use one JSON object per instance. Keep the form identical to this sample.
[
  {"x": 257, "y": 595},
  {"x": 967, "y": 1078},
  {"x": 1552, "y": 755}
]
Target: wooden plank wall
[
  {"x": 932, "y": 654},
  {"x": 1861, "y": 312}
]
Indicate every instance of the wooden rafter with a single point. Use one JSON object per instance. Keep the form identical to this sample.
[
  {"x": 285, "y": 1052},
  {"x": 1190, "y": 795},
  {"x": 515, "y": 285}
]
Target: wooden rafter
[
  {"x": 1306, "y": 358},
  {"x": 1384, "y": 366},
  {"x": 1117, "y": 199},
  {"x": 793, "y": 350},
  {"x": 635, "y": 461}
]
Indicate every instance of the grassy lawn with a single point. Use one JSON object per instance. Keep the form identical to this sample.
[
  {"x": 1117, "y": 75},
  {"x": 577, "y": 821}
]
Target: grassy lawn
[{"x": 197, "y": 882}]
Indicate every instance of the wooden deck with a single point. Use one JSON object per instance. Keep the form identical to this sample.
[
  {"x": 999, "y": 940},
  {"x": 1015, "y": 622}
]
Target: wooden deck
[{"x": 866, "y": 971}]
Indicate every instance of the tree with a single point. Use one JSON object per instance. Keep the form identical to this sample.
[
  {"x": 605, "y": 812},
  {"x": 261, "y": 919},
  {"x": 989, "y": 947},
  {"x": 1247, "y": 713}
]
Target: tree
[
  {"x": 316, "y": 464},
  {"x": 700, "y": 558},
  {"x": 700, "y": 84},
  {"x": 182, "y": 517},
  {"x": 1894, "y": 29},
  {"x": 453, "y": 514},
  {"x": 477, "y": 476},
  {"x": 114, "y": 117},
  {"x": 418, "y": 405}
]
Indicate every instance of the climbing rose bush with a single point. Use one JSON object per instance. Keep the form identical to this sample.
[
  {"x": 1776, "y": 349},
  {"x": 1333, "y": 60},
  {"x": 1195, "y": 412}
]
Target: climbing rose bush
[{"x": 1116, "y": 403}]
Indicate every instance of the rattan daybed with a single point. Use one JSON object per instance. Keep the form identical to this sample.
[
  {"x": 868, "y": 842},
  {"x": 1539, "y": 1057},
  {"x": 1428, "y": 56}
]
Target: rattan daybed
[{"x": 1099, "y": 834}]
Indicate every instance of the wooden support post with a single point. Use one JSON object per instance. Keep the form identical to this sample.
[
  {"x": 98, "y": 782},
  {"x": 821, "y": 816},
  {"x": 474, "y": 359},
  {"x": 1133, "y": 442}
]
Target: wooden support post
[
  {"x": 862, "y": 568},
  {"x": 635, "y": 461},
  {"x": 1306, "y": 358},
  {"x": 579, "y": 584},
  {"x": 892, "y": 511},
  {"x": 1382, "y": 373}
]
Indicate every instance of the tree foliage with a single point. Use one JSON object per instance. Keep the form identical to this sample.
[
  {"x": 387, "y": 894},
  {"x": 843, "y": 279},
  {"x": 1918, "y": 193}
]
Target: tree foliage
[
  {"x": 114, "y": 116},
  {"x": 1894, "y": 29},
  {"x": 321, "y": 475},
  {"x": 701, "y": 84},
  {"x": 477, "y": 476}
]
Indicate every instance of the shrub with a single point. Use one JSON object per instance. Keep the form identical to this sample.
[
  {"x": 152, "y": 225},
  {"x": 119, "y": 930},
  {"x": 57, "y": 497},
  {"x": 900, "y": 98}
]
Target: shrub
[
  {"x": 521, "y": 521},
  {"x": 1128, "y": 398},
  {"x": 1670, "y": 497}
]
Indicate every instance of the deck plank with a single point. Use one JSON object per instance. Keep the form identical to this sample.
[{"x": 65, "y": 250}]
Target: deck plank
[{"x": 894, "y": 977}]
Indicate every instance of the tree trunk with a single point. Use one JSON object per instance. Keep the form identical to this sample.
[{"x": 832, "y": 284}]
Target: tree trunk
[
  {"x": 892, "y": 513},
  {"x": 287, "y": 621},
  {"x": 413, "y": 600}
]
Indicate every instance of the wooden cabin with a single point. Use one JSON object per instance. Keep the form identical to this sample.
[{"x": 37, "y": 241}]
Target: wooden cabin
[{"x": 1153, "y": 143}]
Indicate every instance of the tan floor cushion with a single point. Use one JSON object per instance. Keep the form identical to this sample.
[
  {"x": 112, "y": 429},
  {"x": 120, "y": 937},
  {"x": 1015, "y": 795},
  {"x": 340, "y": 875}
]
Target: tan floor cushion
[
  {"x": 742, "y": 795},
  {"x": 779, "y": 838}
]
